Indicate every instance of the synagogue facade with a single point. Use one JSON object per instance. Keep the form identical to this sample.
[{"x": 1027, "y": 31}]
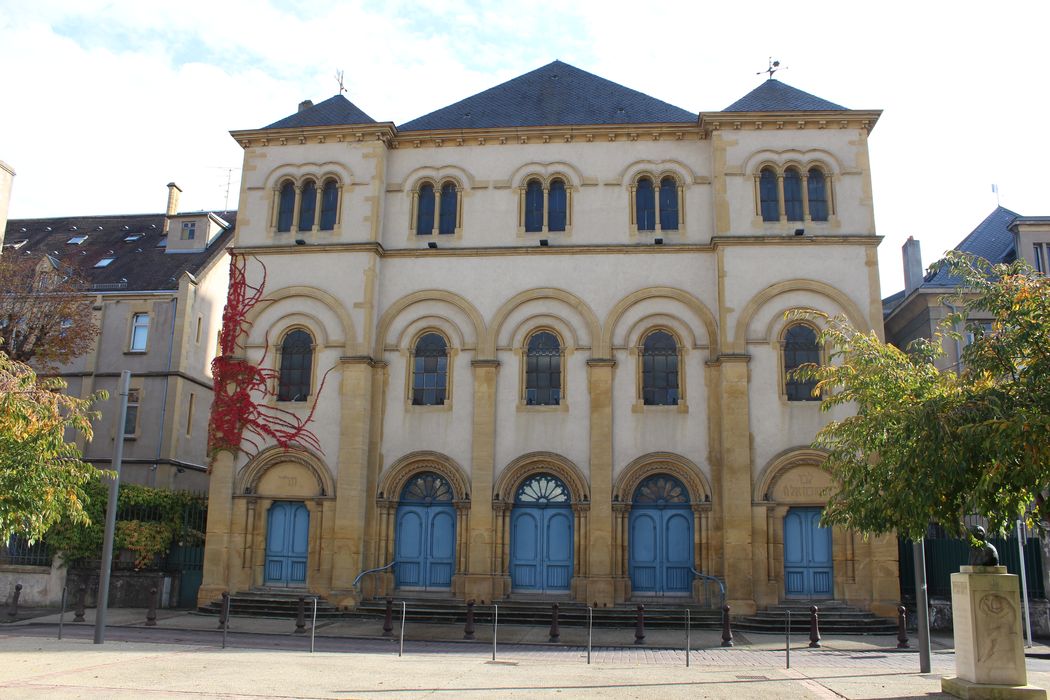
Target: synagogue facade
[{"x": 542, "y": 337}]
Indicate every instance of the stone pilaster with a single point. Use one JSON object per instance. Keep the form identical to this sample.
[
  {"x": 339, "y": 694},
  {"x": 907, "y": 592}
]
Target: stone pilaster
[
  {"x": 736, "y": 483},
  {"x": 479, "y": 582},
  {"x": 600, "y": 585},
  {"x": 217, "y": 554}
]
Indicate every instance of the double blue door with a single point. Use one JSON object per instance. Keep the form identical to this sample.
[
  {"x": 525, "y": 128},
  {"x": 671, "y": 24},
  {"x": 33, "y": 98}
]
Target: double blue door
[
  {"x": 426, "y": 545},
  {"x": 661, "y": 550},
  {"x": 541, "y": 548},
  {"x": 807, "y": 555},
  {"x": 287, "y": 538}
]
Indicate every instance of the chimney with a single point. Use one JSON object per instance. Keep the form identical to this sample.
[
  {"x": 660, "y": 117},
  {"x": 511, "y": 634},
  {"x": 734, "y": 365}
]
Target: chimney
[
  {"x": 173, "y": 203},
  {"x": 305, "y": 105},
  {"x": 913, "y": 272}
]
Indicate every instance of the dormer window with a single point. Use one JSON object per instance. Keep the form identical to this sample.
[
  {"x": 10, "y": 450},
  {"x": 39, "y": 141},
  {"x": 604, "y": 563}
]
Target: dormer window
[
  {"x": 104, "y": 262},
  {"x": 77, "y": 240},
  {"x": 189, "y": 230}
]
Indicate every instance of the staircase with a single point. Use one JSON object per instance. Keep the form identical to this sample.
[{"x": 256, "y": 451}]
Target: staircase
[
  {"x": 834, "y": 618},
  {"x": 283, "y": 604},
  {"x": 538, "y": 613}
]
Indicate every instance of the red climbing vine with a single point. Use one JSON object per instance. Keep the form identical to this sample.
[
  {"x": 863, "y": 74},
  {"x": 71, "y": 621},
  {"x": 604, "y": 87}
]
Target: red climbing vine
[{"x": 240, "y": 408}]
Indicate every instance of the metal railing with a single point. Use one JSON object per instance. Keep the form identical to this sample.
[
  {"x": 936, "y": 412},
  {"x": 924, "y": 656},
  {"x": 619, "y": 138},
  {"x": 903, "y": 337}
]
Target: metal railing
[
  {"x": 721, "y": 586},
  {"x": 366, "y": 572}
]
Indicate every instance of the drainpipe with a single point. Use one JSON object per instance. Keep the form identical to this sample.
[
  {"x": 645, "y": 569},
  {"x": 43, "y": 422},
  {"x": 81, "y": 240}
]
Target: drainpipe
[
  {"x": 164, "y": 396},
  {"x": 958, "y": 345}
]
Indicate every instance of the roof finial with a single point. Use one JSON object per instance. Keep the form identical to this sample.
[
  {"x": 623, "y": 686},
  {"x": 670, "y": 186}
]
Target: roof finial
[
  {"x": 773, "y": 67},
  {"x": 339, "y": 79}
]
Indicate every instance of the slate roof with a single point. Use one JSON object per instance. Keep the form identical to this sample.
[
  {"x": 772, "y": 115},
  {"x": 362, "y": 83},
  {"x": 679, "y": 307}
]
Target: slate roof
[
  {"x": 555, "y": 95},
  {"x": 775, "y": 96},
  {"x": 141, "y": 263},
  {"x": 334, "y": 111},
  {"x": 991, "y": 240}
]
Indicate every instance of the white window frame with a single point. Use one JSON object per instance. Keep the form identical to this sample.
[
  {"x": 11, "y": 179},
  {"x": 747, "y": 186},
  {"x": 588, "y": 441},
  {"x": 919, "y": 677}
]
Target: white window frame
[{"x": 139, "y": 332}]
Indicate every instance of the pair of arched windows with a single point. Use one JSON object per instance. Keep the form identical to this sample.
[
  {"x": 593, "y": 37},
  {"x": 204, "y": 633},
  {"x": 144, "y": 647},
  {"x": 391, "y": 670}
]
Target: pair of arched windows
[
  {"x": 546, "y": 208},
  {"x": 440, "y": 205},
  {"x": 800, "y": 347},
  {"x": 647, "y": 197},
  {"x": 307, "y": 205},
  {"x": 795, "y": 195}
]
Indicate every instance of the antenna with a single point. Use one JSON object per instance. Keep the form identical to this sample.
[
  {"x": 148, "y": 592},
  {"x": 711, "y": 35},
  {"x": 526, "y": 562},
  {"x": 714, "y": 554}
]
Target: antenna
[
  {"x": 339, "y": 79},
  {"x": 995, "y": 189},
  {"x": 774, "y": 66},
  {"x": 229, "y": 178}
]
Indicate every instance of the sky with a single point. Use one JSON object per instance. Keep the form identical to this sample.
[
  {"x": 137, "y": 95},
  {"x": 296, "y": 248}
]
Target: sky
[{"x": 104, "y": 102}]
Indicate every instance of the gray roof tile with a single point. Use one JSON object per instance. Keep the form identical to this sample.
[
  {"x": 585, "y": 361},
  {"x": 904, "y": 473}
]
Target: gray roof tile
[
  {"x": 775, "y": 96},
  {"x": 991, "y": 240},
  {"x": 555, "y": 95},
  {"x": 334, "y": 111}
]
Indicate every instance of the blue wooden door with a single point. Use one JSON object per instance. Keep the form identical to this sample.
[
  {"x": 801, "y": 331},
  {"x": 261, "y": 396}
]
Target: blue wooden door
[
  {"x": 660, "y": 538},
  {"x": 287, "y": 538},
  {"x": 541, "y": 540},
  {"x": 807, "y": 555},
  {"x": 425, "y": 537}
]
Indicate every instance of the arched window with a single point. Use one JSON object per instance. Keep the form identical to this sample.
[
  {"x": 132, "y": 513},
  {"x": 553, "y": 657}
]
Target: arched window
[
  {"x": 659, "y": 369},
  {"x": 818, "y": 195},
  {"x": 542, "y": 489},
  {"x": 800, "y": 348},
  {"x": 767, "y": 192},
  {"x": 307, "y": 206},
  {"x": 556, "y": 206},
  {"x": 793, "y": 194},
  {"x": 329, "y": 204},
  {"x": 669, "y": 204},
  {"x": 543, "y": 370},
  {"x": 297, "y": 353},
  {"x": 286, "y": 207},
  {"x": 427, "y": 488},
  {"x": 447, "y": 224},
  {"x": 645, "y": 205},
  {"x": 429, "y": 370},
  {"x": 533, "y": 206},
  {"x": 425, "y": 210}
]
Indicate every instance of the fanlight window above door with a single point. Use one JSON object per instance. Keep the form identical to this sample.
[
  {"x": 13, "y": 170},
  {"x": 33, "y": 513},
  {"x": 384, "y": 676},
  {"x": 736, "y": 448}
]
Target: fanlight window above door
[
  {"x": 541, "y": 490},
  {"x": 661, "y": 490},
  {"x": 427, "y": 488}
]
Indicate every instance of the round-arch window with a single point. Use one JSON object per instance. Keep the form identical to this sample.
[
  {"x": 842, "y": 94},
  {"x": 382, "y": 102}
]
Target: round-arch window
[
  {"x": 296, "y": 362},
  {"x": 426, "y": 487},
  {"x": 543, "y": 370},
  {"x": 430, "y": 371},
  {"x": 541, "y": 490},
  {"x": 800, "y": 348},
  {"x": 661, "y": 490},
  {"x": 660, "y": 369}
]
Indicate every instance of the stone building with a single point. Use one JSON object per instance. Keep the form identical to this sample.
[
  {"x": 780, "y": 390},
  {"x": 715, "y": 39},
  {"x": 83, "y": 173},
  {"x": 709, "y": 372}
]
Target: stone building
[{"x": 541, "y": 335}]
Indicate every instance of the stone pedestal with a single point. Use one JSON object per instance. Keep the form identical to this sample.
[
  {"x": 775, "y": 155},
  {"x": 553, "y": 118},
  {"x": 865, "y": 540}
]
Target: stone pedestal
[{"x": 989, "y": 649}]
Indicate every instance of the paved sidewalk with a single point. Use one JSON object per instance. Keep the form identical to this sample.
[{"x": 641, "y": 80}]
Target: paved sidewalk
[{"x": 265, "y": 658}]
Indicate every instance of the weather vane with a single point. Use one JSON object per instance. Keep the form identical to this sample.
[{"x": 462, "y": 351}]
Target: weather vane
[
  {"x": 774, "y": 66},
  {"x": 339, "y": 79}
]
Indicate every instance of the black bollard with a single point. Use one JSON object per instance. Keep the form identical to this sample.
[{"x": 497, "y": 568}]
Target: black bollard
[
  {"x": 388, "y": 618},
  {"x": 727, "y": 632},
  {"x": 300, "y": 616},
  {"x": 468, "y": 628},
  {"x": 151, "y": 611},
  {"x": 639, "y": 626},
  {"x": 555, "y": 633},
  {"x": 902, "y": 628},
  {"x": 13, "y": 612},
  {"x": 224, "y": 610},
  {"x": 814, "y": 628},
  {"x": 78, "y": 611}
]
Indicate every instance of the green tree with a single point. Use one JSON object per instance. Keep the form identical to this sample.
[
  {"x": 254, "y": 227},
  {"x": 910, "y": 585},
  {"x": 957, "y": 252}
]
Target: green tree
[
  {"x": 42, "y": 478},
  {"x": 927, "y": 445}
]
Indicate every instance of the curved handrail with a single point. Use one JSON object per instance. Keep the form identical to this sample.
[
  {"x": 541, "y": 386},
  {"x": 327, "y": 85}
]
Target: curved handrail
[
  {"x": 721, "y": 586},
  {"x": 372, "y": 571}
]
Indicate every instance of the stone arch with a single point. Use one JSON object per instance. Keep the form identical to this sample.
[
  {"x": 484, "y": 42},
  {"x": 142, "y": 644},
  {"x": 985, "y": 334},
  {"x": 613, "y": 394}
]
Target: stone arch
[
  {"x": 679, "y": 467},
  {"x": 276, "y": 464},
  {"x": 349, "y": 335},
  {"x": 806, "y": 463},
  {"x": 458, "y": 175},
  {"x": 754, "y": 162},
  {"x": 392, "y": 481},
  {"x": 392, "y": 312},
  {"x": 300, "y": 171},
  {"x": 703, "y": 314},
  {"x": 298, "y": 319},
  {"x": 515, "y": 473},
  {"x": 526, "y": 327},
  {"x": 488, "y": 348},
  {"x": 545, "y": 171},
  {"x": 852, "y": 311},
  {"x": 657, "y": 169}
]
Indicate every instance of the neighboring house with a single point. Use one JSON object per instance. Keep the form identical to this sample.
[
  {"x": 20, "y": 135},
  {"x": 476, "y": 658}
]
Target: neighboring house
[
  {"x": 918, "y": 310},
  {"x": 158, "y": 285},
  {"x": 7, "y": 177},
  {"x": 551, "y": 319}
]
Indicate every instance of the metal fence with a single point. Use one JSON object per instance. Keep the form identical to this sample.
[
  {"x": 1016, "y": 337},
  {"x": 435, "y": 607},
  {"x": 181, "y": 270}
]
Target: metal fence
[{"x": 17, "y": 551}]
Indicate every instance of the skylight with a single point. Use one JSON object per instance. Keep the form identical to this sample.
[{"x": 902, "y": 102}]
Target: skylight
[
  {"x": 77, "y": 240},
  {"x": 131, "y": 238},
  {"x": 104, "y": 262}
]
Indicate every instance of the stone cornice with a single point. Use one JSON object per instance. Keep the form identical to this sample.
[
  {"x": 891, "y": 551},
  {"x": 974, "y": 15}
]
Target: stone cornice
[
  {"x": 346, "y": 133},
  {"x": 752, "y": 121}
]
